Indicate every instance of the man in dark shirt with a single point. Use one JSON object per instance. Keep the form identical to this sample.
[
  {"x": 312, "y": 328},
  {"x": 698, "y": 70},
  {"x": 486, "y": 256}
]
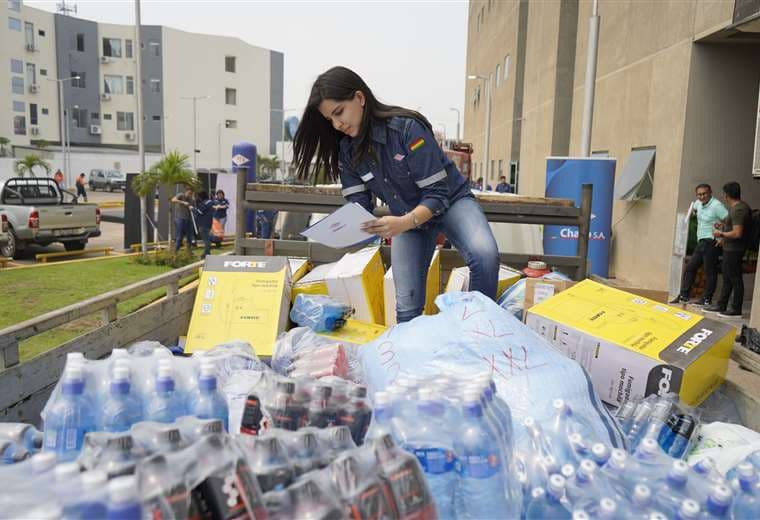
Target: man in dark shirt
[
  {"x": 182, "y": 222},
  {"x": 205, "y": 212},
  {"x": 503, "y": 187},
  {"x": 732, "y": 235}
]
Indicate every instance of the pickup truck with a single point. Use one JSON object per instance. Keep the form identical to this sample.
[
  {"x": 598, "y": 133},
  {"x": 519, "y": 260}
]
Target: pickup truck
[
  {"x": 107, "y": 180},
  {"x": 39, "y": 212}
]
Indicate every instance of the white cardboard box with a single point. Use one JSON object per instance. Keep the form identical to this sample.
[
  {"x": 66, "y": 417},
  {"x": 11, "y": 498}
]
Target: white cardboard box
[{"x": 357, "y": 280}]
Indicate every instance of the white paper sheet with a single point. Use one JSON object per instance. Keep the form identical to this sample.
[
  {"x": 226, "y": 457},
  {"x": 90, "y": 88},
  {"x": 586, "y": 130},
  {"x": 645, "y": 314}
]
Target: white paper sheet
[{"x": 341, "y": 229}]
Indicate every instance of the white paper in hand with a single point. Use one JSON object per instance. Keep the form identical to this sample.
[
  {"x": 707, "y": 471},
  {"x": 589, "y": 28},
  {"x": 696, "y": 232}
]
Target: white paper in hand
[{"x": 341, "y": 229}]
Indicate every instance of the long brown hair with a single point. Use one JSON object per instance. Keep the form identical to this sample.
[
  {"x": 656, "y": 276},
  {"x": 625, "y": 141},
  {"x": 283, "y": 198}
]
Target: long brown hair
[{"x": 317, "y": 137}]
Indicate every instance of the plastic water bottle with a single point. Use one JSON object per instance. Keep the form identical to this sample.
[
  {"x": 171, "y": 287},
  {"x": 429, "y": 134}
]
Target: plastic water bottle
[
  {"x": 652, "y": 462},
  {"x": 166, "y": 405},
  {"x": 747, "y": 503},
  {"x": 70, "y": 418},
  {"x": 671, "y": 490},
  {"x": 624, "y": 415},
  {"x": 600, "y": 454},
  {"x": 608, "y": 509},
  {"x": 583, "y": 489},
  {"x": 122, "y": 409},
  {"x": 383, "y": 416},
  {"x": 432, "y": 444},
  {"x": 209, "y": 402},
  {"x": 481, "y": 487},
  {"x": 11, "y": 453},
  {"x": 24, "y": 435},
  {"x": 500, "y": 407},
  {"x": 94, "y": 497},
  {"x": 641, "y": 503},
  {"x": 319, "y": 313},
  {"x": 549, "y": 504},
  {"x": 704, "y": 477},
  {"x": 657, "y": 421},
  {"x": 640, "y": 419},
  {"x": 718, "y": 503},
  {"x": 689, "y": 510},
  {"x": 123, "y": 500}
]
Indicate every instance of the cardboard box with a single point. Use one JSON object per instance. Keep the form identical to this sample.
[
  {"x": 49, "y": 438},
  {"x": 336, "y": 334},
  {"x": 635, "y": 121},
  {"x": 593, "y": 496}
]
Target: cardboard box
[
  {"x": 356, "y": 332},
  {"x": 357, "y": 280},
  {"x": 538, "y": 290},
  {"x": 240, "y": 297},
  {"x": 632, "y": 346},
  {"x": 299, "y": 267},
  {"x": 314, "y": 282},
  {"x": 459, "y": 279},
  {"x": 431, "y": 290}
]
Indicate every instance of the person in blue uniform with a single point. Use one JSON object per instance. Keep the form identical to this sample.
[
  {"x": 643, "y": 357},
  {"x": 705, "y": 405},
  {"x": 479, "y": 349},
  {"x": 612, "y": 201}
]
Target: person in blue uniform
[{"x": 390, "y": 153}]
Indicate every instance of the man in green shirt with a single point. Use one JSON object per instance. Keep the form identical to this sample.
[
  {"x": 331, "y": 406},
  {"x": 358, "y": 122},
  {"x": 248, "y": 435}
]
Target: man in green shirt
[
  {"x": 732, "y": 235},
  {"x": 709, "y": 212}
]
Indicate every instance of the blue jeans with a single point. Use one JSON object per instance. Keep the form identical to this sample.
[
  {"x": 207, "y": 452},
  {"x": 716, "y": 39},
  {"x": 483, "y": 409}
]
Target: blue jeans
[
  {"x": 183, "y": 228},
  {"x": 466, "y": 227}
]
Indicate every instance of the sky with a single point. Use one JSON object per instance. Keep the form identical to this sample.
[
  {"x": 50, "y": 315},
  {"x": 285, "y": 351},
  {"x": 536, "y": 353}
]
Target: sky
[{"x": 410, "y": 53}]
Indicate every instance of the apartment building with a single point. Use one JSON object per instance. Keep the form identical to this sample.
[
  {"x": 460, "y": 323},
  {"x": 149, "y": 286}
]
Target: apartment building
[
  {"x": 237, "y": 87},
  {"x": 676, "y": 81}
]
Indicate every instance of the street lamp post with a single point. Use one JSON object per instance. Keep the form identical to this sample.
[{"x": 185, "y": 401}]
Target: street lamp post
[
  {"x": 195, "y": 128},
  {"x": 487, "y": 82},
  {"x": 458, "y": 119},
  {"x": 64, "y": 130}
]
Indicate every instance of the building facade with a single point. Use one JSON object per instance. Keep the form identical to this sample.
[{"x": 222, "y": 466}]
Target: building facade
[
  {"x": 238, "y": 86},
  {"x": 676, "y": 77}
]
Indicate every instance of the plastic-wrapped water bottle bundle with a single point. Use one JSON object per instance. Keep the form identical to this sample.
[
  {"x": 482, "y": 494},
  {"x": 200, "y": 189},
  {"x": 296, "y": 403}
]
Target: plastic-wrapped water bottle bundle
[
  {"x": 662, "y": 418},
  {"x": 320, "y": 313},
  {"x": 289, "y": 404}
]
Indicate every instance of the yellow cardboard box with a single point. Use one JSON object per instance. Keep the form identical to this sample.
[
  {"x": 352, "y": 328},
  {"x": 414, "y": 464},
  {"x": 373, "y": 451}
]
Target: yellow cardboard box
[
  {"x": 356, "y": 332},
  {"x": 357, "y": 280},
  {"x": 459, "y": 279},
  {"x": 632, "y": 346},
  {"x": 298, "y": 268},
  {"x": 314, "y": 282},
  {"x": 432, "y": 287},
  {"x": 240, "y": 297}
]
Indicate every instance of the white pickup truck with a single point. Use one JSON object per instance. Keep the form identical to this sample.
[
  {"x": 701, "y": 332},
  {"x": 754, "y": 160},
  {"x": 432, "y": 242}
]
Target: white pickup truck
[{"x": 38, "y": 212}]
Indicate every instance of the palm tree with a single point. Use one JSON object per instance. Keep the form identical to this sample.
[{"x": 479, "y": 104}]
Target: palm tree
[
  {"x": 173, "y": 169},
  {"x": 27, "y": 164},
  {"x": 265, "y": 167},
  {"x": 4, "y": 141}
]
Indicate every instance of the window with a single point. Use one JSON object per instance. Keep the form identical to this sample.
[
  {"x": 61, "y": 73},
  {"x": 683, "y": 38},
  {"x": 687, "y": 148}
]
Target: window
[
  {"x": 155, "y": 48},
  {"x": 125, "y": 121},
  {"x": 106, "y": 117},
  {"x": 17, "y": 66},
  {"x": 17, "y": 85},
  {"x": 501, "y": 168},
  {"x": 79, "y": 117},
  {"x": 43, "y": 72},
  {"x": 41, "y": 32},
  {"x": 155, "y": 85},
  {"x": 78, "y": 83},
  {"x": 230, "y": 96},
  {"x": 14, "y": 5},
  {"x": 32, "y": 114},
  {"x": 112, "y": 47},
  {"x": 95, "y": 117},
  {"x": 45, "y": 111},
  {"x": 29, "y": 35},
  {"x": 230, "y": 123},
  {"x": 130, "y": 86},
  {"x": 14, "y": 24},
  {"x": 507, "y": 62},
  {"x": 79, "y": 42},
  {"x": 19, "y": 106},
  {"x": 19, "y": 125},
  {"x": 31, "y": 73},
  {"x": 498, "y": 75},
  {"x": 127, "y": 48},
  {"x": 229, "y": 63},
  {"x": 113, "y": 84},
  {"x": 156, "y": 118}
]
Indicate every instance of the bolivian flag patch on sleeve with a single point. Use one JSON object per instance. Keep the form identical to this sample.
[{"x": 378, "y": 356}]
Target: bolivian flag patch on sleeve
[{"x": 416, "y": 145}]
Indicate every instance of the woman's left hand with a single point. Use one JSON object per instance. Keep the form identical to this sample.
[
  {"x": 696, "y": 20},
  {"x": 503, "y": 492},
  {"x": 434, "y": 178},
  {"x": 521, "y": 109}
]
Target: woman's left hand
[{"x": 388, "y": 227}]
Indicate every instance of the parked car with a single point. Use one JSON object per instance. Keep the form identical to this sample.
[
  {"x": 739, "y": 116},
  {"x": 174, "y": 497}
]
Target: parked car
[
  {"x": 107, "y": 180},
  {"x": 38, "y": 212}
]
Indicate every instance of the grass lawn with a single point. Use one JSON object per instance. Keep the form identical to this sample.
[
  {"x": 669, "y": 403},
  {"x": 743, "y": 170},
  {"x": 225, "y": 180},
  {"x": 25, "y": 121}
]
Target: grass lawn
[{"x": 26, "y": 293}]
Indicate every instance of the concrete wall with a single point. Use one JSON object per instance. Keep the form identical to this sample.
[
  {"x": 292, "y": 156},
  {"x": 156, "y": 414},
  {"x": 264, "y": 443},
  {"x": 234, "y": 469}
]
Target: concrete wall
[
  {"x": 184, "y": 78},
  {"x": 88, "y": 62},
  {"x": 276, "y": 74},
  {"x": 12, "y": 46}
]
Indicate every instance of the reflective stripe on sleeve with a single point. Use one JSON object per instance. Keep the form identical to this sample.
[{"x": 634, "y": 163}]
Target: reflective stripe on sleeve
[
  {"x": 427, "y": 181},
  {"x": 353, "y": 189}
]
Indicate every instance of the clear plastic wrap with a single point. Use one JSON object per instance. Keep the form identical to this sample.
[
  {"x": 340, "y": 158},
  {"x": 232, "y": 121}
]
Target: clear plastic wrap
[{"x": 319, "y": 313}]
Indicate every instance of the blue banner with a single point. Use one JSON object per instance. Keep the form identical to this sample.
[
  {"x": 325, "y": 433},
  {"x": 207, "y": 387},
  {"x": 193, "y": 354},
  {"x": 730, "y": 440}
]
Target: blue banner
[{"x": 565, "y": 177}]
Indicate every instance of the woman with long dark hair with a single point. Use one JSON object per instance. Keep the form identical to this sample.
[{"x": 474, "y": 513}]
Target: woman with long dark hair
[{"x": 389, "y": 152}]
